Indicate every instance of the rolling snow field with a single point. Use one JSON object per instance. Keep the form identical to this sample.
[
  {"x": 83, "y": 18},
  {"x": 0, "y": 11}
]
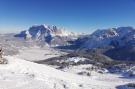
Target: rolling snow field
[{"x": 22, "y": 73}]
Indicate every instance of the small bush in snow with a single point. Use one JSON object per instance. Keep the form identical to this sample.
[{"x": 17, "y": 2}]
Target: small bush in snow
[
  {"x": 3, "y": 61},
  {"x": 84, "y": 73},
  {"x": 88, "y": 74},
  {"x": 101, "y": 72}
]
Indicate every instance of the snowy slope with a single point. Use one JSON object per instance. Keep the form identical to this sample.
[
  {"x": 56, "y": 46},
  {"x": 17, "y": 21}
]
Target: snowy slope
[{"x": 21, "y": 74}]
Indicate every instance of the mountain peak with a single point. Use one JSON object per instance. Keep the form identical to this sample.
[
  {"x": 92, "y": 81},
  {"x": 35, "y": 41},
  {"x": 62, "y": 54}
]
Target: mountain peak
[
  {"x": 104, "y": 37},
  {"x": 47, "y": 33}
]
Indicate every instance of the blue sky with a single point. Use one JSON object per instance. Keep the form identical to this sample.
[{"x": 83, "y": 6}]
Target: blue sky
[{"x": 74, "y": 15}]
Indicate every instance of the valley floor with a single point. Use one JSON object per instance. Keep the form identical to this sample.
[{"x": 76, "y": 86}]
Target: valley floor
[{"x": 38, "y": 54}]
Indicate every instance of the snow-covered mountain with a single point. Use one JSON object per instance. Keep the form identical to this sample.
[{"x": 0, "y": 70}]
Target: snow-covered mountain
[
  {"x": 49, "y": 34},
  {"x": 115, "y": 36},
  {"x": 116, "y": 43}
]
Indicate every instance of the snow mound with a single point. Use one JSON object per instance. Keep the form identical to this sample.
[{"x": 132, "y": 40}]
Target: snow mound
[{"x": 76, "y": 59}]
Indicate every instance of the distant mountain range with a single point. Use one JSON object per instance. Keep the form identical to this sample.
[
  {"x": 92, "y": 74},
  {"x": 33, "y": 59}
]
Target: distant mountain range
[
  {"x": 117, "y": 43},
  {"x": 117, "y": 37}
]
